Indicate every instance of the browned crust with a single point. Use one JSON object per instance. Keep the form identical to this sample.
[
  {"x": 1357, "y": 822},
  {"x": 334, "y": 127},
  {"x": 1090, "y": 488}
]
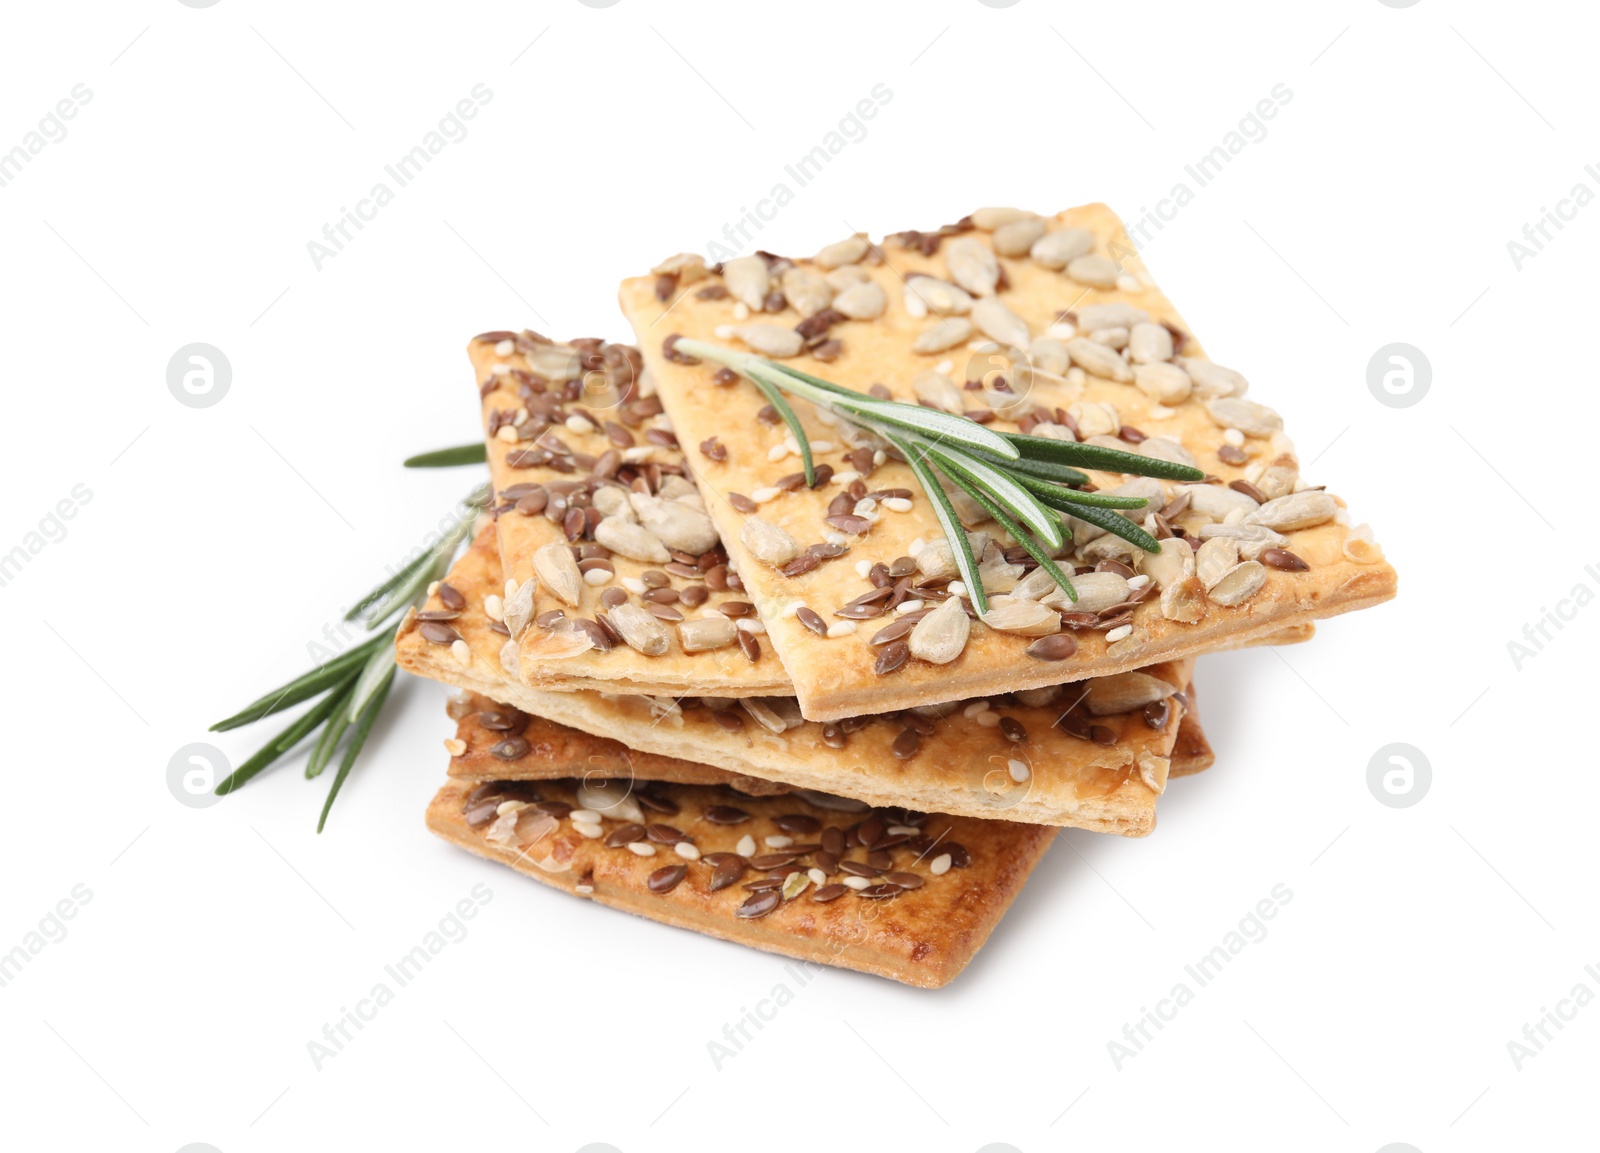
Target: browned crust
[{"x": 923, "y": 937}]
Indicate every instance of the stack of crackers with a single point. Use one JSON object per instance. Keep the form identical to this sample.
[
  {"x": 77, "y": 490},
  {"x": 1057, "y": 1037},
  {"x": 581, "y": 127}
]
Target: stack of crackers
[{"x": 661, "y": 711}]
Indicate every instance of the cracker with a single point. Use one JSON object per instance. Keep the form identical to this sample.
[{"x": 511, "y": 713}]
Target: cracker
[
  {"x": 573, "y": 422},
  {"x": 960, "y": 874},
  {"x": 1109, "y": 783},
  {"x": 834, "y": 676}
]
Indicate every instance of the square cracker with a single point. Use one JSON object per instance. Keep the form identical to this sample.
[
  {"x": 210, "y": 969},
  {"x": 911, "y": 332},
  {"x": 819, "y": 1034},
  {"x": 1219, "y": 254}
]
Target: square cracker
[
  {"x": 834, "y": 677},
  {"x": 582, "y": 412},
  {"x": 1108, "y": 782},
  {"x": 923, "y": 934}
]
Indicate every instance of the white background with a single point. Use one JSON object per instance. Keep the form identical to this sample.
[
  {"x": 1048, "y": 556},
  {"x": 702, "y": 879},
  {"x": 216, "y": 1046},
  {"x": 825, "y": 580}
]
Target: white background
[{"x": 219, "y": 542}]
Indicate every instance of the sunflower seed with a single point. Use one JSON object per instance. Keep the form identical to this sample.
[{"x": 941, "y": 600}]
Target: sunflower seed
[
  {"x": 1094, "y": 357},
  {"x": 558, "y": 571},
  {"x": 631, "y": 540},
  {"x": 1279, "y": 477},
  {"x": 1149, "y": 343},
  {"x": 972, "y": 265},
  {"x": 945, "y": 334},
  {"x": 1124, "y": 692},
  {"x": 1174, "y": 562},
  {"x": 1247, "y": 416},
  {"x": 640, "y": 630},
  {"x": 864, "y": 301},
  {"x": 1096, "y": 591},
  {"x": 793, "y": 885},
  {"x": 845, "y": 276},
  {"x": 1296, "y": 511},
  {"x": 767, "y": 542},
  {"x": 770, "y": 339},
  {"x": 1055, "y": 250},
  {"x": 679, "y": 526},
  {"x": 748, "y": 280},
  {"x": 1216, "y": 502},
  {"x": 936, "y": 390},
  {"x": 937, "y": 296},
  {"x": 1215, "y": 558},
  {"x": 841, "y": 252},
  {"x": 1163, "y": 383},
  {"x": 1095, "y": 271},
  {"x": 1028, "y": 618},
  {"x": 1049, "y": 355},
  {"x": 1112, "y": 314},
  {"x": 1239, "y": 583},
  {"x": 702, "y": 634},
  {"x": 999, "y": 323},
  {"x": 1184, "y": 601},
  {"x": 994, "y": 216},
  {"x": 939, "y": 637},
  {"x": 1211, "y": 380},
  {"x": 807, "y": 289},
  {"x": 1017, "y": 237}
]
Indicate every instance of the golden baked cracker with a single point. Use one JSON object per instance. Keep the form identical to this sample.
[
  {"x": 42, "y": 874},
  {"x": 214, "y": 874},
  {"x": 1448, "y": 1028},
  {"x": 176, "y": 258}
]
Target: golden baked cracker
[
  {"x": 925, "y": 900},
  {"x": 835, "y": 676},
  {"x": 1005, "y": 759}
]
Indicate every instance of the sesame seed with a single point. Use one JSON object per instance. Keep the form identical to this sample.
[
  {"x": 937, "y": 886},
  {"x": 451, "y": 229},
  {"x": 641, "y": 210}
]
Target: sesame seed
[
  {"x": 1018, "y": 769},
  {"x": 1119, "y": 633},
  {"x": 596, "y": 577},
  {"x": 897, "y": 504},
  {"x": 940, "y": 865},
  {"x": 915, "y": 547},
  {"x": 585, "y": 816},
  {"x": 863, "y": 567},
  {"x": 777, "y": 841},
  {"x": 746, "y": 846},
  {"x": 494, "y": 608},
  {"x": 989, "y": 719},
  {"x": 1160, "y": 412},
  {"x": 505, "y": 348},
  {"x": 506, "y": 434},
  {"x": 777, "y": 452},
  {"x": 724, "y": 331},
  {"x": 857, "y": 882},
  {"x": 957, "y": 588},
  {"x": 974, "y": 708},
  {"x": 579, "y": 424},
  {"x": 461, "y": 651},
  {"x": 1062, "y": 331},
  {"x": 499, "y": 369},
  {"x": 1139, "y": 581},
  {"x": 908, "y": 606},
  {"x": 1234, "y": 437},
  {"x": 433, "y": 587},
  {"x": 833, "y": 537},
  {"x": 819, "y": 446},
  {"x": 455, "y": 747},
  {"x": 880, "y": 458},
  {"x": 741, "y": 311},
  {"x": 846, "y": 476},
  {"x": 687, "y": 851},
  {"x": 817, "y": 875},
  {"x": 792, "y": 609},
  {"x": 638, "y": 454},
  {"x": 511, "y": 589},
  {"x": 634, "y": 585},
  {"x": 841, "y": 629},
  {"x": 642, "y": 848},
  {"x": 763, "y": 495},
  {"x": 1127, "y": 283},
  {"x": 750, "y": 625},
  {"x": 866, "y": 506},
  {"x": 593, "y": 832},
  {"x": 904, "y": 831},
  {"x": 945, "y": 367}
]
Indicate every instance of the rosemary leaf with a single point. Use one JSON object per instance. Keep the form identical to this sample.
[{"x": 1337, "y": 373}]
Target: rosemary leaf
[
  {"x": 1117, "y": 524},
  {"x": 378, "y": 667},
  {"x": 328, "y": 740},
  {"x": 476, "y": 453},
  {"x": 1002, "y": 490},
  {"x": 960, "y": 547},
  {"x": 1042, "y": 469},
  {"x": 358, "y": 738},
  {"x": 1023, "y": 538},
  {"x": 1066, "y": 499},
  {"x": 1071, "y": 452},
  {"x": 303, "y": 687},
  {"x": 796, "y": 429},
  {"x": 284, "y": 741},
  {"x": 929, "y": 423}
]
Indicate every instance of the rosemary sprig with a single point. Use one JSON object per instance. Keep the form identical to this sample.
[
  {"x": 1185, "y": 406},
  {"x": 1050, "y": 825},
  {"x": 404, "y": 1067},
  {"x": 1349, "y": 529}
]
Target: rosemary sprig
[
  {"x": 1024, "y": 483},
  {"x": 355, "y": 684},
  {"x": 476, "y": 453}
]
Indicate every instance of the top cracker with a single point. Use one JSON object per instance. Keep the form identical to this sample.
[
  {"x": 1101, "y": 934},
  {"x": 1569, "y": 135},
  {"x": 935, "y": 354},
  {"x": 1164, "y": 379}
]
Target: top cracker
[{"x": 1047, "y": 325}]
